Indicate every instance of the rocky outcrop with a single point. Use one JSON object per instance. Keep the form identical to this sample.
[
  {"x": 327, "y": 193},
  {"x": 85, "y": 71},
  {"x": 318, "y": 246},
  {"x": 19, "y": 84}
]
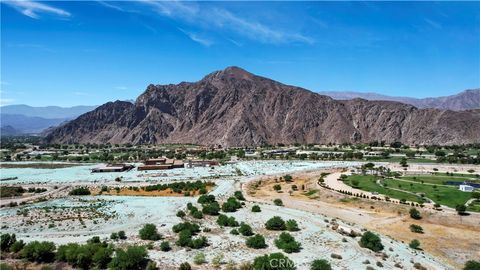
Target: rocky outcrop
[{"x": 233, "y": 107}]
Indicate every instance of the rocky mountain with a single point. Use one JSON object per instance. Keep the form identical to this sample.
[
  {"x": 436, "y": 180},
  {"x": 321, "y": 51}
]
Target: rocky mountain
[
  {"x": 233, "y": 107},
  {"x": 465, "y": 100},
  {"x": 28, "y": 124}
]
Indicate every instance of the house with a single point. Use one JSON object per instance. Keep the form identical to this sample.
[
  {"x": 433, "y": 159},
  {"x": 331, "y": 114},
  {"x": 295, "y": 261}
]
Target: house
[
  {"x": 113, "y": 168},
  {"x": 160, "y": 164},
  {"x": 200, "y": 163},
  {"x": 466, "y": 188}
]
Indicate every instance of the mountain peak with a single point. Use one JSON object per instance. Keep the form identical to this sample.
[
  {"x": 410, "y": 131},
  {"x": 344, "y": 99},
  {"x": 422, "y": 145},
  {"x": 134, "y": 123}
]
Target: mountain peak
[{"x": 232, "y": 72}]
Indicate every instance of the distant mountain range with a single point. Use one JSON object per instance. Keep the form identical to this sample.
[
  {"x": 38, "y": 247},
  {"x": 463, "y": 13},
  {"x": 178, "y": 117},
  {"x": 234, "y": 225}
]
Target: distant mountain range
[
  {"x": 233, "y": 107},
  {"x": 465, "y": 100},
  {"x": 24, "y": 119}
]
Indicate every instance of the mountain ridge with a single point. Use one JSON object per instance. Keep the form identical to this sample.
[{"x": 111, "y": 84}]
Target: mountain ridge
[{"x": 233, "y": 107}]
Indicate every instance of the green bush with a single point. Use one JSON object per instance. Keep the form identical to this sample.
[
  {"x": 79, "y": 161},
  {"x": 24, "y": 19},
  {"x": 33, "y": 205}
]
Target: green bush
[
  {"x": 149, "y": 232},
  {"x": 320, "y": 265},
  {"x": 225, "y": 221},
  {"x": 203, "y": 199},
  {"x": 265, "y": 262},
  {"x": 39, "y": 251},
  {"x": 197, "y": 215},
  {"x": 80, "y": 191},
  {"x": 114, "y": 236},
  {"x": 287, "y": 243},
  {"x": 371, "y": 241},
  {"x": 276, "y": 223},
  {"x": 256, "y": 209},
  {"x": 245, "y": 229},
  {"x": 239, "y": 195},
  {"x": 180, "y": 214},
  {"x": 122, "y": 235},
  {"x": 17, "y": 246},
  {"x": 416, "y": 228},
  {"x": 191, "y": 227},
  {"x": 199, "y": 258},
  {"x": 134, "y": 257},
  {"x": 472, "y": 265},
  {"x": 211, "y": 209},
  {"x": 291, "y": 225},
  {"x": 165, "y": 246},
  {"x": 231, "y": 205},
  {"x": 257, "y": 241},
  {"x": 7, "y": 240},
  {"x": 415, "y": 244},
  {"x": 414, "y": 213},
  {"x": 278, "y": 202},
  {"x": 185, "y": 266},
  {"x": 234, "y": 232}
]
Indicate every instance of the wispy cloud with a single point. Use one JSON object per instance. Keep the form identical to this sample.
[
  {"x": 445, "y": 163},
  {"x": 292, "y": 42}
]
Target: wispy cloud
[
  {"x": 432, "y": 23},
  {"x": 109, "y": 5},
  {"x": 32, "y": 9},
  {"x": 197, "y": 38},
  {"x": 208, "y": 18}
]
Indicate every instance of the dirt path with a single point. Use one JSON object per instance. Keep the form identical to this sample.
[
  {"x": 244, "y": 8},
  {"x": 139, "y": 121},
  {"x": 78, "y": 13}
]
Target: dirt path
[{"x": 6, "y": 202}]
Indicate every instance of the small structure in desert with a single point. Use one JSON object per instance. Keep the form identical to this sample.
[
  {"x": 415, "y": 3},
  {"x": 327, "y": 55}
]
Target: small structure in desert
[
  {"x": 466, "y": 188},
  {"x": 160, "y": 164},
  {"x": 113, "y": 167}
]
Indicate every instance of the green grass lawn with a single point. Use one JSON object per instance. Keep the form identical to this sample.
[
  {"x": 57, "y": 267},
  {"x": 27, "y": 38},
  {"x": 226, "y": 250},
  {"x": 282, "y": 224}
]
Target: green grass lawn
[
  {"x": 449, "y": 196},
  {"x": 436, "y": 179},
  {"x": 474, "y": 207},
  {"x": 368, "y": 183}
]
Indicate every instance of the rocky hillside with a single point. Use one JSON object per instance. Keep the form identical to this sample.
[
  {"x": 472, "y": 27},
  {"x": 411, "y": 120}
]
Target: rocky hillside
[
  {"x": 235, "y": 108},
  {"x": 465, "y": 100}
]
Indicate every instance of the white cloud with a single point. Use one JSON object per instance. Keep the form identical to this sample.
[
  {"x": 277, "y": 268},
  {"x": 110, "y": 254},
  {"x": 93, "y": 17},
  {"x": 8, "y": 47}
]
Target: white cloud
[
  {"x": 197, "y": 38},
  {"x": 32, "y": 9},
  {"x": 210, "y": 18}
]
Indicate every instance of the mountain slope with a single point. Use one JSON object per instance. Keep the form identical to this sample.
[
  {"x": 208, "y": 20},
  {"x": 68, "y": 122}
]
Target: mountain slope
[
  {"x": 28, "y": 124},
  {"x": 465, "y": 100},
  {"x": 234, "y": 108}
]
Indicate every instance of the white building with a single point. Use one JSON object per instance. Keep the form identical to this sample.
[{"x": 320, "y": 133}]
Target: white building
[{"x": 466, "y": 188}]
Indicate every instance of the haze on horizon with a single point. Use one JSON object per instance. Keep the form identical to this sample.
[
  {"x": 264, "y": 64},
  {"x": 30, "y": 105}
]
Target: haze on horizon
[{"x": 88, "y": 53}]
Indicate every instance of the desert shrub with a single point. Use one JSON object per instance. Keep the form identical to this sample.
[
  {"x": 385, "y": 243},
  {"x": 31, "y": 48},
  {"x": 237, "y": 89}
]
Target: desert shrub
[
  {"x": 257, "y": 241},
  {"x": 122, "y": 235},
  {"x": 191, "y": 227},
  {"x": 245, "y": 229},
  {"x": 217, "y": 260},
  {"x": 371, "y": 241},
  {"x": 246, "y": 266},
  {"x": 151, "y": 265},
  {"x": 203, "y": 199},
  {"x": 415, "y": 244},
  {"x": 264, "y": 262},
  {"x": 185, "y": 266},
  {"x": 287, "y": 178},
  {"x": 231, "y": 205},
  {"x": 149, "y": 232},
  {"x": 472, "y": 265},
  {"x": 17, "y": 246},
  {"x": 239, "y": 195},
  {"x": 165, "y": 246},
  {"x": 80, "y": 191},
  {"x": 276, "y": 223},
  {"x": 85, "y": 256},
  {"x": 199, "y": 258},
  {"x": 114, "y": 236},
  {"x": 277, "y": 187},
  {"x": 414, "y": 213},
  {"x": 416, "y": 228},
  {"x": 461, "y": 209},
  {"x": 211, "y": 209},
  {"x": 234, "y": 232},
  {"x": 199, "y": 242},
  {"x": 7, "y": 240},
  {"x": 256, "y": 209},
  {"x": 291, "y": 225},
  {"x": 320, "y": 265},
  {"x": 4, "y": 266},
  {"x": 39, "y": 251},
  {"x": 184, "y": 239},
  {"x": 223, "y": 220},
  {"x": 287, "y": 243},
  {"x": 181, "y": 214},
  {"x": 278, "y": 202},
  {"x": 197, "y": 215},
  {"x": 134, "y": 257}
]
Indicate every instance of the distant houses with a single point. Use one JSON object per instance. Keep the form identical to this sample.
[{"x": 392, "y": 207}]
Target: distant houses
[
  {"x": 160, "y": 164},
  {"x": 466, "y": 188},
  {"x": 113, "y": 168}
]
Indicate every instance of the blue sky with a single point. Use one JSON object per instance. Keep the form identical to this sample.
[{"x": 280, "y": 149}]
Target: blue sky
[{"x": 70, "y": 53}]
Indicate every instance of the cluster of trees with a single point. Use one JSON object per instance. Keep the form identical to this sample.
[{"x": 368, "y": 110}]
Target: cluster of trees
[
  {"x": 186, "y": 231},
  {"x": 287, "y": 243},
  {"x": 80, "y": 191},
  {"x": 231, "y": 205},
  {"x": 11, "y": 191},
  {"x": 179, "y": 187},
  {"x": 149, "y": 232},
  {"x": 371, "y": 241},
  {"x": 118, "y": 235},
  {"x": 93, "y": 254},
  {"x": 276, "y": 223},
  {"x": 226, "y": 221}
]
